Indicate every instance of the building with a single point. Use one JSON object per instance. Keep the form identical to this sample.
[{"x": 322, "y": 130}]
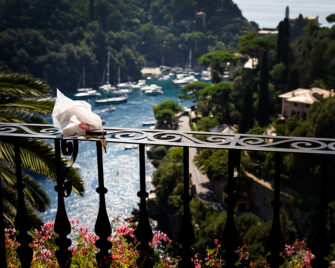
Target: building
[{"x": 298, "y": 101}]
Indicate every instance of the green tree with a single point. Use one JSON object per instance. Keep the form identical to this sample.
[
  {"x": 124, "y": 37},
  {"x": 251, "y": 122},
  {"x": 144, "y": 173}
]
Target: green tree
[
  {"x": 253, "y": 45},
  {"x": 193, "y": 89},
  {"x": 331, "y": 18},
  {"x": 19, "y": 103},
  {"x": 248, "y": 87},
  {"x": 165, "y": 114},
  {"x": 217, "y": 60},
  {"x": 217, "y": 99}
]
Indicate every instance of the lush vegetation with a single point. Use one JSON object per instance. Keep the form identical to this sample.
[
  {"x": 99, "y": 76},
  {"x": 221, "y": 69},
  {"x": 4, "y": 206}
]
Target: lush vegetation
[
  {"x": 21, "y": 102},
  {"x": 250, "y": 103},
  {"x": 53, "y": 40}
]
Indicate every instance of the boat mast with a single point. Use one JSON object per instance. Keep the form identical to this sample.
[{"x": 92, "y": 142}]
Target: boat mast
[
  {"x": 83, "y": 76},
  {"x": 107, "y": 77},
  {"x": 118, "y": 76},
  {"x": 190, "y": 59}
]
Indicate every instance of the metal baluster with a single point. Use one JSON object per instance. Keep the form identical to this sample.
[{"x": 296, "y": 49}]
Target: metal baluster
[
  {"x": 102, "y": 226},
  {"x": 320, "y": 246},
  {"x": 143, "y": 232},
  {"x": 230, "y": 237},
  {"x": 186, "y": 234},
  {"x": 62, "y": 225},
  {"x": 22, "y": 223},
  {"x": 276, "y": 242},
  {"x": 3, "y": 257}
]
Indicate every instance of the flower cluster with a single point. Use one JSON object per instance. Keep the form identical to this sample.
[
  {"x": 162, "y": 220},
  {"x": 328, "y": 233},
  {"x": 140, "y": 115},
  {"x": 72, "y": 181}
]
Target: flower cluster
[
  {"x": 298, "y": 255},
  {"x": 124, "y": 251}
]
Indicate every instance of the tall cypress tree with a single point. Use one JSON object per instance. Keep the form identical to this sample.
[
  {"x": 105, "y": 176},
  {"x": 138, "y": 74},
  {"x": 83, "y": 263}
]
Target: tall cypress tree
[
  {"x": 279, "y": 42},
  {"x": 247, "y": 119},
  {"x": 91, "y": 8},
  {"x": 263, "y": 109}
]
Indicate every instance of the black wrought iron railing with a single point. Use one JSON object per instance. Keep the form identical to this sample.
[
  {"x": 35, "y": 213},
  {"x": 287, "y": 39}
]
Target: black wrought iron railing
[{"x": 234, "y": 143}]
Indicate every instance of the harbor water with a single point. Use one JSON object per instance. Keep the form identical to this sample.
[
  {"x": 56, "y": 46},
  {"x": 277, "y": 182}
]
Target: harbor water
[{"x": 121, "y": 166}]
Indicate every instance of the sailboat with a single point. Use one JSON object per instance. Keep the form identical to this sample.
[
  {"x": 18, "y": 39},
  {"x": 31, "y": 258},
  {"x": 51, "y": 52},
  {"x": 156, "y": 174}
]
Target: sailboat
[
  {"x": 83, "y": 89},
  {"x": 85, "y": 92},
  {"x": 107, "y": 86},
  {"x": 120, "y": 85}
]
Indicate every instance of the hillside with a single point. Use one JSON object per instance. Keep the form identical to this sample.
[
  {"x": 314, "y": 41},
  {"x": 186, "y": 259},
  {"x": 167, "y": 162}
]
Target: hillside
[{"x": 53, "y": 40}]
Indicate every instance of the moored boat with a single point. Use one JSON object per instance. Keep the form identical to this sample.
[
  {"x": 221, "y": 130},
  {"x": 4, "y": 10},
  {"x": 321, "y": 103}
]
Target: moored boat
[
  {"x": 87, "y": 94},
  {"x": 114, "y": 100}
]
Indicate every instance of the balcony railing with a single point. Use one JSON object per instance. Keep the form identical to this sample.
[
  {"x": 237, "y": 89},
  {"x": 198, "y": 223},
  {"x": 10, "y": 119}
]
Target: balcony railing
[{"x": 234, "y": 143}]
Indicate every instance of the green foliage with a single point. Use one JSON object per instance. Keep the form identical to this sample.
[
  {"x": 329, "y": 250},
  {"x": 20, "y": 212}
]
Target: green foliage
[
  {"x": 205, "y": 123},
  {"x": 253, "y": 45},
  {"x": 54, "y": 39},
  {"x": 215, "y": 99},
  {"x": 159, "y": 152},
  {"x": 314, "y": 53},
  {"x": 165, "y": 114},
  {"x": 167, "y": 177},
  {"x": 263, "y": 96},
  {"x": 331, "y": 18},
  {"x": 217, "y": 60}
]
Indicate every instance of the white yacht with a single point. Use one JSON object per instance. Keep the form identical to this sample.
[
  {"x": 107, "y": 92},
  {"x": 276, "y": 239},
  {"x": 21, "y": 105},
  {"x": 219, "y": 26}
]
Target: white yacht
[
  {"x": 87, "y": 94},
  {"x": 150, "y": 87},
  {"x": 114, "y": 100},
  {"x": 185, "y": 80}
]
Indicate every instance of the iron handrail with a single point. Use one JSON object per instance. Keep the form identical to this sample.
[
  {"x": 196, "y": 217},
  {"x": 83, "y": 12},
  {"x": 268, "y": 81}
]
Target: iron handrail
[
  {"x": 248, "y": 142},
  {"x": 234, "y": 143}
]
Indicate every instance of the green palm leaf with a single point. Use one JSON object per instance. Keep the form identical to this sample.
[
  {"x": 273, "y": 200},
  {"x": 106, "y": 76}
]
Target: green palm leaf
[
  {"x": 32, "y": 105},
  {"x": 19, "y": 103},
  {"x": 39, "y": 157},
  {"x": 22, "y": 85}
]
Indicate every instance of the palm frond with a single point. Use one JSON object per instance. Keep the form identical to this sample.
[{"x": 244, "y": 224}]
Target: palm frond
[
  {"x": 39, "y": 157},
  {"x": 26, "y": 117},
  {"x": 42, "y": 107},
  {"x": 22, "y": 85},
  {"x": 33, "y": 192}
]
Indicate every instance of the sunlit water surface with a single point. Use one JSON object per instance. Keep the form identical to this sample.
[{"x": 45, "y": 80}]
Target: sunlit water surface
[{"x": 121, "y": 167}]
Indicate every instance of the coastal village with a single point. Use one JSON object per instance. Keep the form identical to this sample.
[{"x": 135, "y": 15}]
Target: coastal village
[{"x": 165, "y": 134}]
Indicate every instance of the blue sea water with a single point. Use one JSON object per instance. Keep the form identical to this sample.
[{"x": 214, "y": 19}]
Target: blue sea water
[
  {"x": 121, "y": 167},
  {"x": 268, "y": 13}
]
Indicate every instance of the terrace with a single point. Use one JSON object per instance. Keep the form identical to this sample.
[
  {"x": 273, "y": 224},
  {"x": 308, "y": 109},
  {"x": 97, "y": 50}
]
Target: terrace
[{"x": 234, "y": 143}]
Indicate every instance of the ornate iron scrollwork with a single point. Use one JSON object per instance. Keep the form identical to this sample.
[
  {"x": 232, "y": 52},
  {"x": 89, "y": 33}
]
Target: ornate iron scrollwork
[{"x": 63, "y": 188}]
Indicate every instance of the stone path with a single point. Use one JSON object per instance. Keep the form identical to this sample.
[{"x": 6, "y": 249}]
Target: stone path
[{"x": 199, "y": 180}]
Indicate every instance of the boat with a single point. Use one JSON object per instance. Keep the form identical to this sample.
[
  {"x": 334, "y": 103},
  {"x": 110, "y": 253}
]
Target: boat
[
  {"x": 110, "y": 108},
  {"x": 153, "y": 92},
  {"x": 130, "y": 146},
  {"x": 120, "y": 85},
  {"x": 83, "y": 89},
  {"x": 151, "y": 87},
  {"x": 121, "y": 92},
  {"x": 185, "y": 80},
  {"x": 107, "y": 86},
  {"x": 87, "y": 94},
  {"x": 138, "y": 85},
  {"x": 148, "y": 123},
  {"x": 112, "y": 100}
]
